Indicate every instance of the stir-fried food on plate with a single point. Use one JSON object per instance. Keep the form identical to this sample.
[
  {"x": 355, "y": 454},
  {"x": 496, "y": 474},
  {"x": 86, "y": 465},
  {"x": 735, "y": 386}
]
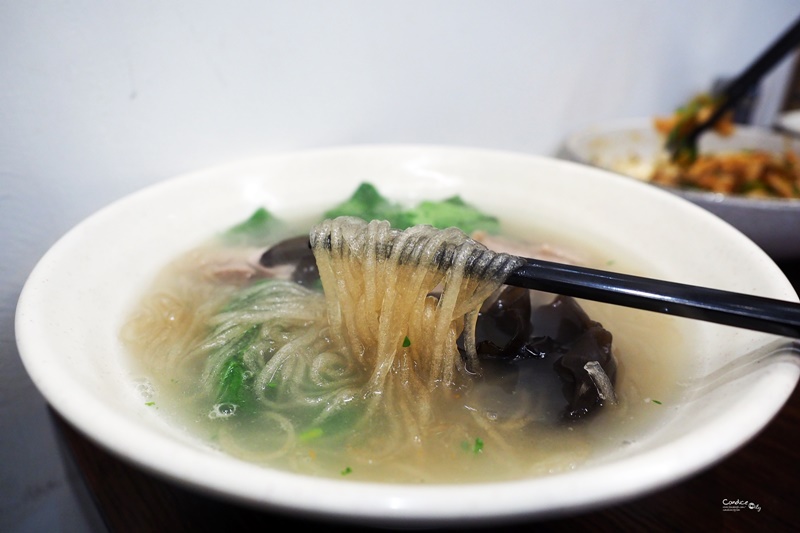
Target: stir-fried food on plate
[
  {"x": 753, "y": 173},
  {"x": 696, "y": 111}
]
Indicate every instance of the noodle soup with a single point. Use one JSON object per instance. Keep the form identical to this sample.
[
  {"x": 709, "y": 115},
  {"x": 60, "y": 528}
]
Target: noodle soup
[{"x": 250, "y": 359}]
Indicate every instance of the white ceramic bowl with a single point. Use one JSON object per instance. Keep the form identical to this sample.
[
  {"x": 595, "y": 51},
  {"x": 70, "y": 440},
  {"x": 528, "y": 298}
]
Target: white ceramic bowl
[
  {"x": 77, "y": 297},
  {"x": 631, "y": 146}
]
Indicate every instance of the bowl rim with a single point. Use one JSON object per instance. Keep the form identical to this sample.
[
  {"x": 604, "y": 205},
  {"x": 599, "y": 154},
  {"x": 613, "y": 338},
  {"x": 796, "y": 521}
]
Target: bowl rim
[{"x": 379, "y": 503}]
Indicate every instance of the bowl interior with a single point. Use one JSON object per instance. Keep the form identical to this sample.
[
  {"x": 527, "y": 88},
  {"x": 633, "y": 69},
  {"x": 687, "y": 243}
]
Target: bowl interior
[{"x": 78, "y": 296}]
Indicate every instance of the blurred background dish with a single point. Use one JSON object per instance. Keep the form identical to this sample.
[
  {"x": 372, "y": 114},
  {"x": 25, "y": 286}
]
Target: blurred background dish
[
  {"x": 789, "y": 122},
  {"x": 633, "y": 147}
]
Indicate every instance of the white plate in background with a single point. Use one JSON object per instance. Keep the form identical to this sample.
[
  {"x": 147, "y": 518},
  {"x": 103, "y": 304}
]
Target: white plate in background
[{"x": 631, "y": 147}]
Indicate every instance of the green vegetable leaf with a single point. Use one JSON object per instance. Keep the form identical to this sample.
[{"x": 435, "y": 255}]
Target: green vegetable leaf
[
  {"x": 233, "y": 379},
  {"x": 406, "y": 342},
  {"x": 347, "y": 470},
  {"x": 453, "y": 212},
  {"x": 368, "y": 204},
  {"x": 253, "y": 231},
  {"x": 232, "y": 388}
]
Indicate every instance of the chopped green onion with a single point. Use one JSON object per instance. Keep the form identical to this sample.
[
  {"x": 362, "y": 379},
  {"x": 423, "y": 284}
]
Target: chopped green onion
[
  {"x": 656, "y": 401},
  {"x": 406, "y": 342},
  {"x": 311, "y": 434},
  {"x": 347, "y": 470},
  {"x": 478, "y": 448}
]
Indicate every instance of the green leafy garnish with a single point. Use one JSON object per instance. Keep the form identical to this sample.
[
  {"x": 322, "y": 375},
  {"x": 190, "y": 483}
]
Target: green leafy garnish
[
  {"x": 453, "y": 212},
  {"x": 149, "y": 404},
  {"x": 656, "y": 401},
  {"x": 253, "y": 231},
  {"x": 406, "y": 342},
  {"x": 234, "y": 378},
  {"x": 368, "y": 204},
  {"x": 347, "y": 470}
]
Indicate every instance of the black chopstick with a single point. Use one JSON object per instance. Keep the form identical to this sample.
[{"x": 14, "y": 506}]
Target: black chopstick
[
  {"x": 711, "y": 305},
  {"x": 738, "y": 88}
]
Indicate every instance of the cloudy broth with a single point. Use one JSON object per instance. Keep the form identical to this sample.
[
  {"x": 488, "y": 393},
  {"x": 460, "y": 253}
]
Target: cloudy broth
[{"x": 505, "y": 425}]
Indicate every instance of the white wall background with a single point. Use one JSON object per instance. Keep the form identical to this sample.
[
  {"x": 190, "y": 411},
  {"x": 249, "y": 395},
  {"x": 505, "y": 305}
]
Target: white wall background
[{"x": 100, "y": 98}]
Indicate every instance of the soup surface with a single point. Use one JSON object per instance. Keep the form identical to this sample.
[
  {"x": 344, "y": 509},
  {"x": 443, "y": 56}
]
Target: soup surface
[{"x": 507, "y": 419}]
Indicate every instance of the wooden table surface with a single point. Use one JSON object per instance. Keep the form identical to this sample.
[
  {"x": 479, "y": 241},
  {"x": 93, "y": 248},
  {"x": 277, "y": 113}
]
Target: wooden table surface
[{"x": 766, "y": 472}]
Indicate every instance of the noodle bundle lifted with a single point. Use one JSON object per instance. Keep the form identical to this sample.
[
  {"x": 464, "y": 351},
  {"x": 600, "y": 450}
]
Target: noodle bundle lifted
[{"x": 379, "y": 286}]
